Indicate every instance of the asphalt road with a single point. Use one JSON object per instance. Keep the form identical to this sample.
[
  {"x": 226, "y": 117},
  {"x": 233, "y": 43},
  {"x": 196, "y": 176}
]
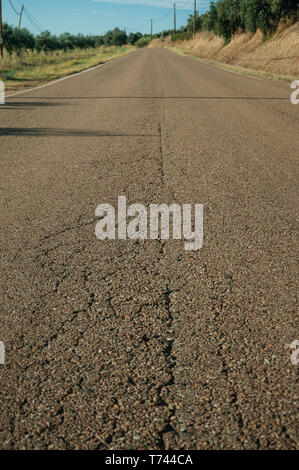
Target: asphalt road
[{"x": 141, "y": 344}]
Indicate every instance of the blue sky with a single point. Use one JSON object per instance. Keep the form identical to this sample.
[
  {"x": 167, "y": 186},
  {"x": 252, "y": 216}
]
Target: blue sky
[{"x": 98, "y": 16}]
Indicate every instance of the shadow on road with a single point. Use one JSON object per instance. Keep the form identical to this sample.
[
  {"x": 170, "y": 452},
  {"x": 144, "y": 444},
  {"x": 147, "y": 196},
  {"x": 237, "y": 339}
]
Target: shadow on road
[
  {"x": 29, "y": 104},
  {"x": 52, "y": 132}
]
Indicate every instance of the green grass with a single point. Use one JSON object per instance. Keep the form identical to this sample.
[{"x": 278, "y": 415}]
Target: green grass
[{"x": 32, "y": 68}]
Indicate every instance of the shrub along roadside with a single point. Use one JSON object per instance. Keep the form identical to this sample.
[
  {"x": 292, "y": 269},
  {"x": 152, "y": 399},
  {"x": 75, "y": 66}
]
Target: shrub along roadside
[
  {"x": 143, "y": 42},
  {"x": 181, "y": 36}
]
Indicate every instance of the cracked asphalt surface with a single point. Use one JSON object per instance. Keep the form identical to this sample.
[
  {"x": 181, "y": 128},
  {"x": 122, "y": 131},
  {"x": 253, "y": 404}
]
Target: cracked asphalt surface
[{"x": 142, "y": 345}]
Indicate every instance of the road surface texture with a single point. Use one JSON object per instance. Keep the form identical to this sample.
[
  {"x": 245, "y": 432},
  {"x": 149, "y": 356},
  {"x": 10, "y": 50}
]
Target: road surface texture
[{"x": 143, "y": 345}]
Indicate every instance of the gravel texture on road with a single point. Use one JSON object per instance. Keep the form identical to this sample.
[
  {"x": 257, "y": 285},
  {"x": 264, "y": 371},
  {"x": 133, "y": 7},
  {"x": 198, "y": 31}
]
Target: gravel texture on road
[{"x": 141, "y": 344}]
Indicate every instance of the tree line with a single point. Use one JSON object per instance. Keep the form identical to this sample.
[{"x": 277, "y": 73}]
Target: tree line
[
  {"x": 226, "y": 17},
  {"x": 20, "y": 39}
]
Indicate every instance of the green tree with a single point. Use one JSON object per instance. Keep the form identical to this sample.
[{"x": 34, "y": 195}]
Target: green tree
[
  {"x": 119, "y": 38},
  {"x": 190, "y": 24},
  {"x": 134, "y": 37},
  {"x": 17, "y": 40},
  {"x": 46, "y": 42}
]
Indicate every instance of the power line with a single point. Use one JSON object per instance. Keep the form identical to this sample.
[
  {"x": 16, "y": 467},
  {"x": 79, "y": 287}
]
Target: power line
[
  {"x": 140, "y": 27},
  {"x": 12, "y": 6},
  {"x": 31, "y": 21},
  {"x": 20, "y": 15},
  {"x": 158, "y": 20},
  {"x": 181, "y": 7},
  {"x": 153, "y": 21},
  {"x": 36, "y": 20},
  {"x": 171, "y": 11},
  {"x": 163, "y": 17}
]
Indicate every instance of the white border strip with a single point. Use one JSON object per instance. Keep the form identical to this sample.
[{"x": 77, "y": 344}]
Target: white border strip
[{"x": 64, "y": 78}]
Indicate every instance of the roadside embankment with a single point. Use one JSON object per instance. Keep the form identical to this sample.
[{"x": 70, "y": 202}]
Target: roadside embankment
[{"x": 277, "y": 57}]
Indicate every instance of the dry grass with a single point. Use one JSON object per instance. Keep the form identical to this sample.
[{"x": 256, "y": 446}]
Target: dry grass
[
  {"x": 34, "y": 68},
  {"x": 276, "y": 57}
]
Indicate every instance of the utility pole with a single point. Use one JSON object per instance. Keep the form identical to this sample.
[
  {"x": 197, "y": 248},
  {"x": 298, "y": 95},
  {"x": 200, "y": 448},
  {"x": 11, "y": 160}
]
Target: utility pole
[
  {"x": 21, "y": 14},
  {"x": 194, "y": 25},
  {"x": 151, "y": 30},
  {"x": 174, "y": 12},
  {"x": 1, "y": 31}
]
